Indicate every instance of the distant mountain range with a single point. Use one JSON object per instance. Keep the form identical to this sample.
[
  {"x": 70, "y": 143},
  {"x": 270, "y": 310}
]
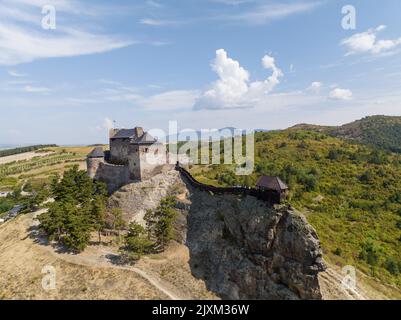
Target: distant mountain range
[
  {"x": 380, "y": 131},
  {"x": 7, "y": 146}
]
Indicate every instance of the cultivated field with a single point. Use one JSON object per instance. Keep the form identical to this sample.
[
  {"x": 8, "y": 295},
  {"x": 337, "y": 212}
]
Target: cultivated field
[{"x": 23, "y": 156}]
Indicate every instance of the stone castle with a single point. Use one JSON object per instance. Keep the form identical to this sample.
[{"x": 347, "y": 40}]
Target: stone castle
[{"x": 134, "y": 155}]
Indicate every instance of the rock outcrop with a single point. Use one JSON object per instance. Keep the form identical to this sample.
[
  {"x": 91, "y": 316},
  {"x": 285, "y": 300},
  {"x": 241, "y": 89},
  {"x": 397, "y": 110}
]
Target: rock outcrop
[
  {"x": 241, "y": 247},
  {"x": 135, "y": 198},
  {"x": 246, "y": 250}
]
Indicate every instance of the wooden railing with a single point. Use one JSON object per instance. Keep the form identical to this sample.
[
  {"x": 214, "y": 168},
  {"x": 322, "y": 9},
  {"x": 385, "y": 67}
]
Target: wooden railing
[{"x": 270, "y": 196}]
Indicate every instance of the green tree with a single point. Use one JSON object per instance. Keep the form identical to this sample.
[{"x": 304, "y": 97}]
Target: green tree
[
  {"x": 116, "y": 221},
  {"x": 136, "y": 242},
  {"x": 37, "y": 198},
  {"x": 77, "y": 228},
  {"x": 79, "y": 209},
  {"x": 98, "y": 215},
  {"x": 164, "y": 230},
  {"x": 160, "y": 223},
  {"x": 333, "y": 154}
]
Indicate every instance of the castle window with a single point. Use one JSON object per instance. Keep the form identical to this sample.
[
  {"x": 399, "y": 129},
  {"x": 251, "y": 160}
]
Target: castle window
[
  {"x": 156, "y": 152},
  {"x": 146, "y": 150}
]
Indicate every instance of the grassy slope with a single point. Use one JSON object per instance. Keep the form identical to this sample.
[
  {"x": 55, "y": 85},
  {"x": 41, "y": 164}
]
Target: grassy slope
[{"x": 351, "y": 216}]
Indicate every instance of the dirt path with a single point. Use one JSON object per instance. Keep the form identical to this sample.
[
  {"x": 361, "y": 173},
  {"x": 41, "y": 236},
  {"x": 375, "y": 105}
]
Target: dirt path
[
  {"x": 97, "y": 257},
  {"x": 92, "y": 262}
]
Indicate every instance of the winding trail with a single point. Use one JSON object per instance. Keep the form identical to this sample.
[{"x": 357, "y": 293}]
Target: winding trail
[{"x": 98, "y": 258}]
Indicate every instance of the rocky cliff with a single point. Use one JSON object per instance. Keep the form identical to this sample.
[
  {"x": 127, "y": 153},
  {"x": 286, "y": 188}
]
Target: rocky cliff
[
  {"x": 244, "y": 249},
  {"x": 240, "y": 247}
]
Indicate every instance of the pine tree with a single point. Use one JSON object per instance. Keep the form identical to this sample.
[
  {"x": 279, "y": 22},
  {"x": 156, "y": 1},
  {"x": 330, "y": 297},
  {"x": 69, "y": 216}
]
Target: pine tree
[
  {"x": 160, "y": 223},
  {"x": 79, "y": 208},
  {"x": 117, "y": 222},
  {"x": 136, "y": 242},
  {"x": 98, "y": 215}
]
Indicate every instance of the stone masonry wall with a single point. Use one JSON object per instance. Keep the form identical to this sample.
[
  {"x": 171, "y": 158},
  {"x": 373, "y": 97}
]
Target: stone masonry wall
[
  {"x": 120, "y": 150},
  {"x": 115, "y": 176}
]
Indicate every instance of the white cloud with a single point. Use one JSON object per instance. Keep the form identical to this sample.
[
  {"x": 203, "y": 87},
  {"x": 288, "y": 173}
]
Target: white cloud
[
  {"x": 232, "y": 2},
  {"x": 159, "y": 22},
  {"x": 152, "y": 22},
  {"x": 154, "y": 4},
  {"x": 164, "y": 101},
  {"x": 273, "y": 11},
  {"x": 233, "y": 89},
  {"x": 32, "y": 89},
  {"x": 367, "y": 42},
  {"x": 106, "y": 125},
  {"x": 340, "y": 94},
  {"x": 22, "y": 40},
  {"x": 315, "y": 86},
  {"x": 170, "y": 100},
  {"x": 16, "y": 74}
]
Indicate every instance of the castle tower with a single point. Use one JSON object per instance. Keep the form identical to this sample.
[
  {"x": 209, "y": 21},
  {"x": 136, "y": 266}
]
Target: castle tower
[{"x": 93, "y": 161}]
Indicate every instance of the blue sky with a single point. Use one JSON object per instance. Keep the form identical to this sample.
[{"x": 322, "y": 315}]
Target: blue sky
[{"x": 204, "y": 63}]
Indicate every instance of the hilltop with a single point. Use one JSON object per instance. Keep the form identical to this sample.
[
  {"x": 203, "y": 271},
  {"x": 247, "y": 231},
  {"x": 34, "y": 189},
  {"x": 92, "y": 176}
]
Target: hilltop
[
  {"x": 380, "y": 131},
  {"x": 349, "y": 193}
]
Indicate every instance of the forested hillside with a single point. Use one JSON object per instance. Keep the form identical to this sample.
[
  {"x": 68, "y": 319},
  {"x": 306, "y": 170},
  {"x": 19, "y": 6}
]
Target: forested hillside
[
  {"x": 349, "y": 192},
  {"x": 383, "y": 132}
]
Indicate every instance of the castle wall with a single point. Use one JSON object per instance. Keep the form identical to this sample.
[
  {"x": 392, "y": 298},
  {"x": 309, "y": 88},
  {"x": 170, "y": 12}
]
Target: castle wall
[
  {"x": 134, "y": 163},
  {"x": 92, "y": 165},
  {"x": 115, "y": 176},
  {"x": 128, "y": 162},
  {"x": 119, "y": 151},
  {"x": 152, "y": 159}
]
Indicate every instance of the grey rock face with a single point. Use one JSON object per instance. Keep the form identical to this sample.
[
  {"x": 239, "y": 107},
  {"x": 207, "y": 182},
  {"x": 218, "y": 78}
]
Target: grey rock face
[
  {"x": 247, "y": 250},
  {"x": 135, "y": 198},
  {"x": 242, "y": 248}
]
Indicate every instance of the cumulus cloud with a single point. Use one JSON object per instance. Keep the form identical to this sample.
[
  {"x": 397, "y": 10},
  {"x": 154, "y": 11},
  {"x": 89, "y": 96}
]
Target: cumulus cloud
[
  {"x": 368, "y": 42},
  {"x": 315, "y": 86},
  {"x": 234, "y": 89},
  {"x": 340, "y": 94}
]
